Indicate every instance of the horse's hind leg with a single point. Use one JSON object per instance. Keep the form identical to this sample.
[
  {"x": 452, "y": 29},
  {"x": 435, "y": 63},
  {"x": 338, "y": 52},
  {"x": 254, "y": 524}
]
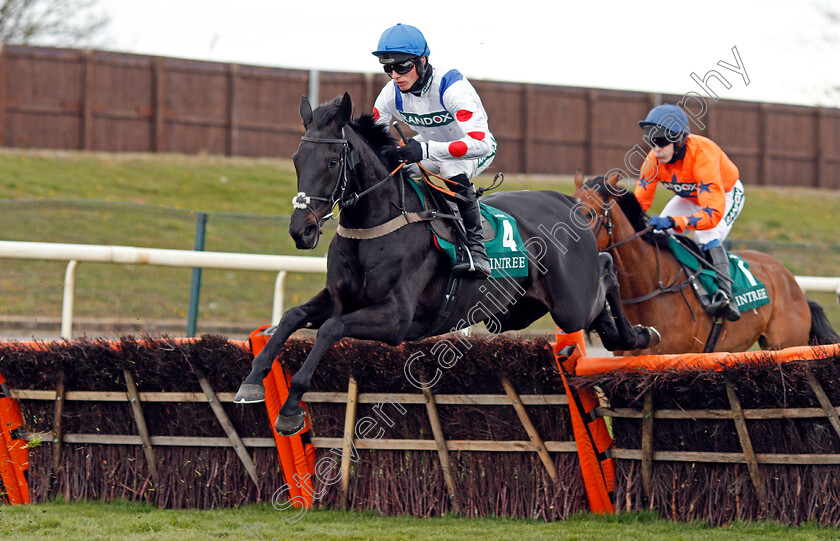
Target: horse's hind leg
[
  {"x": 311, "y": 315},
  {"x": 612, "y": 324}
]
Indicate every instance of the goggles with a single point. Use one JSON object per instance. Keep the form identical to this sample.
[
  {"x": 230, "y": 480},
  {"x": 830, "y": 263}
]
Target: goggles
[
  {"x": 661, "y": 142},
  {"x": 401, "y": 68}
]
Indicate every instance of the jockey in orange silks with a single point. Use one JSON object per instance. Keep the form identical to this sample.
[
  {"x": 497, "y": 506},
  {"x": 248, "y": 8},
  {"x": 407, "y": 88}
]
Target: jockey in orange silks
[{"x": 709, "y": 194}]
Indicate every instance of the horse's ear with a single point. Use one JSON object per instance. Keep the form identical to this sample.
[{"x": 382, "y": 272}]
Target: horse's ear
[
  {"x": 613, "y": 180},
  {"x": 345, "y": 110},
  {"x": 305, "y": 112},
  {"x": 578, "y": 178}
]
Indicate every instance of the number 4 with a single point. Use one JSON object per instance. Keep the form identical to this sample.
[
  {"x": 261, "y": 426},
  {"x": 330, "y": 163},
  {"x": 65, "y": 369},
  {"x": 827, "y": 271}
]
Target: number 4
[{"x": 507, "y": 236}]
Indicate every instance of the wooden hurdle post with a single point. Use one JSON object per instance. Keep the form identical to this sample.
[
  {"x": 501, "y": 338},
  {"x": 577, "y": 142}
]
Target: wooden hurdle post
[
  {"x": 743, "y": 436},
  {"x": 442, "y": 449},
  {"x": 647, "y": 449},
  {"x": 825, "y": 403},
  {"x": 230, "y": 431},
  {"x": 57, "y": 426},
  {"x": 349, "y": 434},
  {"x": 530, "y": 429},
  {"x": 140, "y": 421}
]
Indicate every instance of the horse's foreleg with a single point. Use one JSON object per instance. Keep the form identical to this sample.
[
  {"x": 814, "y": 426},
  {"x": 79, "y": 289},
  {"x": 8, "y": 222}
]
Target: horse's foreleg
[
  {"x": 371, "y": 323},
  {"x": 621, "y": 333},
  {"x": 310, "y": 314}
]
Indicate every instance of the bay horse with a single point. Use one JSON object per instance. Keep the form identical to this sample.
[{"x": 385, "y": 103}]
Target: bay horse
[
  {"x": 647, "y": 272},
  {"x": 390, "y": 287}
]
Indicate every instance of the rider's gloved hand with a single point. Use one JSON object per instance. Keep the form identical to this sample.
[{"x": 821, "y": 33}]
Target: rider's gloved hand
[
  {"x": 413, "y": 151},
  {"x": 661, "y": 222}
]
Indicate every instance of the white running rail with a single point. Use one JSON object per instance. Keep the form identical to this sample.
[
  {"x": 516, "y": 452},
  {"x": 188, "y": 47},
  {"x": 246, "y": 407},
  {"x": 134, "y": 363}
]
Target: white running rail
[{"x": 127, "y": 255}]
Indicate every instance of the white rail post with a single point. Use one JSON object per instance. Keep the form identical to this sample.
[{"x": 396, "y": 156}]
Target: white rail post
[
  {"x": 277, "y": 308},
  {"x": 67, "y": 302}
]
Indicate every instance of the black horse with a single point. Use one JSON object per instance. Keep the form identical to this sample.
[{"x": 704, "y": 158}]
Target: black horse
[{"x": 390, "y": 288}]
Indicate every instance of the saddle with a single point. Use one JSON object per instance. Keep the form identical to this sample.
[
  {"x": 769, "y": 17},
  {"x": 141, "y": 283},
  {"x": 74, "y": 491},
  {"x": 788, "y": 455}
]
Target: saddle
[
  {"x": 445, "y": 229},
  {"x": 749, "y": 293},
  {"x": 500, "y": 234}
]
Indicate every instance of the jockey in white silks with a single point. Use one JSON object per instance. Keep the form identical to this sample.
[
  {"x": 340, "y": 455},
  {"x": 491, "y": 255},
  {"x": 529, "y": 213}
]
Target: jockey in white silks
[{"x": 453, "y": 138}]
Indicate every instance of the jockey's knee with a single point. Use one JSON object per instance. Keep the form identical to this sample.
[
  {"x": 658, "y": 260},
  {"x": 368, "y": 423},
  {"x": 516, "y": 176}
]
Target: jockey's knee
[
  {"x": 454, "y": 169},
  {"x": 461, "y": 179}
]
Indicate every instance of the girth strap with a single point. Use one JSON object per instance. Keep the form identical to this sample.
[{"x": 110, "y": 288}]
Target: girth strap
[{"x": 390, "y": 226}]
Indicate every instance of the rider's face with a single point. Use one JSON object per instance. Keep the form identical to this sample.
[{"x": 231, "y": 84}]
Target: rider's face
[
  {"x": 665, "y": 153},
  {"x": 406, "y": 81}
]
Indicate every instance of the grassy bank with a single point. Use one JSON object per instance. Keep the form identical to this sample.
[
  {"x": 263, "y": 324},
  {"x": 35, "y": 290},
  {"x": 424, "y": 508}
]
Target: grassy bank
[
  {"x": 117, "y": 521},
  {"x": 262, "y": 189},
  {"x": 266, "y": 186}
]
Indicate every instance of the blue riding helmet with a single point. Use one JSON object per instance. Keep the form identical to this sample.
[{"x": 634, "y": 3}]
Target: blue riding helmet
[
  {"x": 666, "y": 120},
  {"x": 403, "y": 39}
]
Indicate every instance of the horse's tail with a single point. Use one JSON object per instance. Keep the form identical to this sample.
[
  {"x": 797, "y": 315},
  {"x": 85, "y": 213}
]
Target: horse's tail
[{"x": 821, "y": 331}]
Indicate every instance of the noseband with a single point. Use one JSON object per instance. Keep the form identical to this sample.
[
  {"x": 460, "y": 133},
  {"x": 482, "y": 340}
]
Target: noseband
[
  {"x": 348, "y": 159},
  {"x": 605, "y": 221}
]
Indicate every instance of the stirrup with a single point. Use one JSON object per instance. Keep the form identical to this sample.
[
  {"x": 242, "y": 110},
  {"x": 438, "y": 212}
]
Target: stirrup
[
  {"x": 723, "y": 306},
  {"x": 467, "y": 267}
]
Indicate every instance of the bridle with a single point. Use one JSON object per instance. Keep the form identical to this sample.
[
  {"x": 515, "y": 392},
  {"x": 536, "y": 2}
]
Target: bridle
[
  {"x": 348, "y": 160},
  {"x": 605, "y": 221}
]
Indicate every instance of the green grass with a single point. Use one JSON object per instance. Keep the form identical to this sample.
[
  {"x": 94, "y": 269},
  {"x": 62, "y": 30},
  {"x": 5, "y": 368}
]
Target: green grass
[
  {"x": 262, "y": 189},
  {"x": 138, "y": 522},
  {"x": 204, "y": 183}
]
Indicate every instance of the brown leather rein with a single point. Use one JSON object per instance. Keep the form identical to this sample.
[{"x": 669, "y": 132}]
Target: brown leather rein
[{"x": 605, "y": 221}]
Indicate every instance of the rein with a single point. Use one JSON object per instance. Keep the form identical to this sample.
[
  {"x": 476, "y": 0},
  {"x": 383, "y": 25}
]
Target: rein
[
  {"x": 441, "y": 189},
  {"x": 634, "y": 236},
  {"x": 674, "y": 286},
  {"x": 605, "y": 220}
]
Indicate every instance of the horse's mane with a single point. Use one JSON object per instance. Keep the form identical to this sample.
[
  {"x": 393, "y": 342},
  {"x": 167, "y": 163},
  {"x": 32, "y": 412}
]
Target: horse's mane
[
  {"x": 376, "y": 135},
  {"x": 626, "y": 201}
]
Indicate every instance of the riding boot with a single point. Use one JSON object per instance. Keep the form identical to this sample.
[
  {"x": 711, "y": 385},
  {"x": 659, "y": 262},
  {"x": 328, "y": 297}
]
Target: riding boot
[
  {"x": 472, "y": 261},
  {"x": 723, "y": 304}
]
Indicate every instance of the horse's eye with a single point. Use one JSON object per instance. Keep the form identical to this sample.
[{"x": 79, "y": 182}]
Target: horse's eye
[{"x": 333, "y": 163}]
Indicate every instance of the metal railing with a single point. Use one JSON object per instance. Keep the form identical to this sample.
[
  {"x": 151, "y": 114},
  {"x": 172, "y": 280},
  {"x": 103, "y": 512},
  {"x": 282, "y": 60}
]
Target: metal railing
[{"x": 127, "y": 255}]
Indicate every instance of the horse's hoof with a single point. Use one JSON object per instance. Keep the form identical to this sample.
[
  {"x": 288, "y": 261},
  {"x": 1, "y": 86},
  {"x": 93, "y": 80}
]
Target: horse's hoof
[
  {"x": 289, "y": 426},
  {"x": 655, "y": 337},
  {"x": 249, "y": 394}
]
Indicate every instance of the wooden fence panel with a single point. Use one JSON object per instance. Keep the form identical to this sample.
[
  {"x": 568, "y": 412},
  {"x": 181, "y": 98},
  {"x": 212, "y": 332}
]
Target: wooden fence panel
[
  {"x": 615, "y": 129},
  {"x": 829, "y": 141},
  {"x": 556, "y": 128},
  {"x": 505, "y": 110},
  {"x": 791, "y": 146},
  {"x": 266, "y": 104},
  {"x": 196, "y": 106},
  {"x": 736, "y": 127},
  {"x": 42, "y": 97},
  {"x": 123, "y": 89},
  {"x": 362, "y": 89}
]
